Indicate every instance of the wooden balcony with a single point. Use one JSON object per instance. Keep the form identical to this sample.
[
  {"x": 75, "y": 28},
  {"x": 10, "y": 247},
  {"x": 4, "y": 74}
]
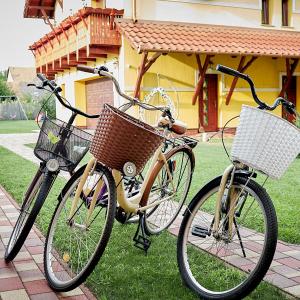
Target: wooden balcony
[{"x": 80, "y": 38}]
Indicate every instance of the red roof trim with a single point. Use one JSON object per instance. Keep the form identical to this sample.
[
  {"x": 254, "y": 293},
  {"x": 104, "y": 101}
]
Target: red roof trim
[{"x": 154, "y": 36}]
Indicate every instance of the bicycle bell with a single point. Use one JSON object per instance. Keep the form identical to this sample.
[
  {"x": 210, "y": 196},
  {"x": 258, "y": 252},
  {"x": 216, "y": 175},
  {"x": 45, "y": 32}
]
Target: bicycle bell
[{"x": 129, "y": 169}]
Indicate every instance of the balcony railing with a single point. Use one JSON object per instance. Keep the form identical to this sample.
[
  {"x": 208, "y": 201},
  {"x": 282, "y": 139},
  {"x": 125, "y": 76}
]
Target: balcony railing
[{"x": 88, "y": 34}]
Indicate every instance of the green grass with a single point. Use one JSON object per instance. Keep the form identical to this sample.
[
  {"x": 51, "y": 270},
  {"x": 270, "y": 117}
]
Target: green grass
[
  {"x": 124, "y": 272},
  {"x": 18, "y": 126},
  {"x": 211, "y": 161}
]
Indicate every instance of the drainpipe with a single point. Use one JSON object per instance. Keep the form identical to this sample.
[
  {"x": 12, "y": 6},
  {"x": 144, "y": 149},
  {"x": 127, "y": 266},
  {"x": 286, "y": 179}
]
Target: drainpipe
[{"x": 134, "y": 11}]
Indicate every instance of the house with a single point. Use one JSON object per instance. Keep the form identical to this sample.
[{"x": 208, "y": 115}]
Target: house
[
  {"x": 174, "y": 44},
  {"x": 19, "y": 77}
]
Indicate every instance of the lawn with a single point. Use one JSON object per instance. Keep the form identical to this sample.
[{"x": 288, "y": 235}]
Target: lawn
[
  {"x": 18, "y": 126},
  {"x": 124, "y": 271}
]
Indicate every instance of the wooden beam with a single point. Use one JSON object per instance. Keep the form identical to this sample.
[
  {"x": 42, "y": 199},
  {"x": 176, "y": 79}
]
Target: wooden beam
[
  {"x": 199, "y": 63},
  {"x": 201, "y": 78},
  {"x": 60, "y": 2},
  {"x": 141, "y": 72},
  {"x": 41, "y": 7},
  {"x": 73, "y": 26},
  {"x": 83, "y": 20},
  {"x": 64, "y": 32},
  {"x": 142, "y": 69},
  {"x": 290, "y": 69},
  {"x": 242, "y": 67},
  {"x": 47, "y": 21}
]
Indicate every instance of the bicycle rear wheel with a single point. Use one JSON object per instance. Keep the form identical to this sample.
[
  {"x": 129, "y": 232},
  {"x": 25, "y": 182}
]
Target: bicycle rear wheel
[
  {"x": 220, "y": 266},
  {"x": 72, "y": 250},
  {"x": 31, "y": 206},
  {"x": 174, "y": 189}
]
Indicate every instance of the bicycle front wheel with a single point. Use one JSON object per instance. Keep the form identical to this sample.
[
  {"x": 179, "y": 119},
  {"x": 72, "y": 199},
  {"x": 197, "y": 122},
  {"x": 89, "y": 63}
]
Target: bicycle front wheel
[
  {"x": 224, "y": 266},
  {"x": 73, "y": 246},
  {"x": 31, "y": 206},
  {"x": 169, "y": 185}
]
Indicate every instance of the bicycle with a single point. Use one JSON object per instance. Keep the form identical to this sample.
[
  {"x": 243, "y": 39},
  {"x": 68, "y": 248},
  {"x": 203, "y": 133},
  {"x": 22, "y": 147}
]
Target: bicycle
[
  {"x": 229, "y": 229},
  {"x": 76, "y": 238},
  {"x": 60, "y": 146}
]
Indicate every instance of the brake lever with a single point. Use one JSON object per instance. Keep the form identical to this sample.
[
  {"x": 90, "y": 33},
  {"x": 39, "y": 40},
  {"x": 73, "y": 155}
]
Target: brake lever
[{"x": 290, "y": 107}]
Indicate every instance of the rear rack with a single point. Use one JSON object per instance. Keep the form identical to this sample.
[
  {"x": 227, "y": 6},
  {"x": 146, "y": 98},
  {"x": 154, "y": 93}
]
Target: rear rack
[{"x": 183, "y": 140}]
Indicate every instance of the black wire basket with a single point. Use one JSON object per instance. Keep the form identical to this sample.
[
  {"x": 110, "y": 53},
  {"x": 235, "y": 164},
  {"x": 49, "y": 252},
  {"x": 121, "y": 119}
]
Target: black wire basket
[{"x": 68, "y": 151}]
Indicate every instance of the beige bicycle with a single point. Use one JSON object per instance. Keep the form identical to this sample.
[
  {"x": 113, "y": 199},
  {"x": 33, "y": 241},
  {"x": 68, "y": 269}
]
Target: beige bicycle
[{"x": 147, "y": 171}]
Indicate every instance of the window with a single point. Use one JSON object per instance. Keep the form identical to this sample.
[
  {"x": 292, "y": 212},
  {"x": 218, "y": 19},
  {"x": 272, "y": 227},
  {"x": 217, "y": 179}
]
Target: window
[
  {"x": 265, "y": 12},
  {"x": 285, "y": 13}
]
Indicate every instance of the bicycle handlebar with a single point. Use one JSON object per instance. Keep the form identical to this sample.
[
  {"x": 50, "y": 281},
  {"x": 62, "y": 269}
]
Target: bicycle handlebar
[
  {"x": 56, "y": 90},
  {"x": 103, "y": 71},
  {"x": 289, "y": 106}
]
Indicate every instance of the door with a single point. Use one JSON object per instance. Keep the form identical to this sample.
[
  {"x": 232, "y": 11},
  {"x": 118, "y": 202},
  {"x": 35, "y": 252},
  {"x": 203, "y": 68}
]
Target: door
[
  {"x": 208, "y": 105},
  {"x": 291, "y": 95},
  {"x": 98, "y": 92}
]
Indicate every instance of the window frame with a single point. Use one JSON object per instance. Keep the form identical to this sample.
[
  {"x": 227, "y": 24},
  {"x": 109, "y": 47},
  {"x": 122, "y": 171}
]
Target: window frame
[{"x": 265, "y": 12}]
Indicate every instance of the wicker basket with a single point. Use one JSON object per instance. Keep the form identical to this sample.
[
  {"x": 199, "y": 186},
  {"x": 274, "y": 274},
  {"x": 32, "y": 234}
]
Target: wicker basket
[
  {"x": 265, "y": 142},
  {"x": 120, "y": 138}
]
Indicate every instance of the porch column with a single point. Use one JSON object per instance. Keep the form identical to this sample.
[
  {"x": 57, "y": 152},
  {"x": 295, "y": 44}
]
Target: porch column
[
  {"x": 241, "y": 68},
  {"x": 143, "y": 68},
  {"x": 202, "y": 71},
  {"x": 290, "y": 69}
]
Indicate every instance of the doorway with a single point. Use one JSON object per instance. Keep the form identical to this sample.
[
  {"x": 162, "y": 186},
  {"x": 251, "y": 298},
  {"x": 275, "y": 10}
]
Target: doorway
[
  {"x": 208, "y": 105},
  {"x": 291, "y": 95}
]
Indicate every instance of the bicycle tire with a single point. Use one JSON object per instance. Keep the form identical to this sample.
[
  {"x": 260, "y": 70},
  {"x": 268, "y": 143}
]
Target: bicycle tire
[
  {"x": 53, "y": 279},
  {"x": 43, "y": 185},
  {"x": 162, "y": 216},
  {"x": 263, "y": 264}
]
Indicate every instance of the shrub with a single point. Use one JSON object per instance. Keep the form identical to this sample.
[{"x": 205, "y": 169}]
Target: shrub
[{"x": 297, "y": 123}]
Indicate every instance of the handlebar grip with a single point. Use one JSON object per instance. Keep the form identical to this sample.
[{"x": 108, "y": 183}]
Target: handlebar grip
[
  {"x": 86, "y": 69},
  {"x": 41, "y": 77},
  {"x": 230, "y": 71}
]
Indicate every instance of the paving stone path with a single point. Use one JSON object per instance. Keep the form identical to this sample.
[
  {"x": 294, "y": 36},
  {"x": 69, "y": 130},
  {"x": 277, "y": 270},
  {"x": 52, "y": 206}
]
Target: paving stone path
[{"x": 23, "y": 279}]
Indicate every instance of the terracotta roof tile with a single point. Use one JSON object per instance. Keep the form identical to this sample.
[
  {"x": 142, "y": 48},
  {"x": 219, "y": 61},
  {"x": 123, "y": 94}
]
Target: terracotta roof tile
[{"x": 198, "y": 38}]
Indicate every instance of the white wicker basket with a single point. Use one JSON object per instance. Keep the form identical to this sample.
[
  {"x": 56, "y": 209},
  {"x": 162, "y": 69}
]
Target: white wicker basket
[{"x": 265, "y": 142}]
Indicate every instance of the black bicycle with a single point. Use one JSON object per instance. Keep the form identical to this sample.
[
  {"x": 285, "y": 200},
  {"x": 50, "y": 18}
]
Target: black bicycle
[{"x": 60, "y": 146}]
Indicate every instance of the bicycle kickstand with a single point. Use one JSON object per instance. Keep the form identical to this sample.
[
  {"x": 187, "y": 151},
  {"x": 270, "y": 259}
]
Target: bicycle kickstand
[{"x": 141, "y": 238}]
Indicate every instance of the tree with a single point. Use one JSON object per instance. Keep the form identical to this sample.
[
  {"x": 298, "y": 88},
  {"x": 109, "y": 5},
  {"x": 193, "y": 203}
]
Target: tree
[{"x": 4, "y": 88}]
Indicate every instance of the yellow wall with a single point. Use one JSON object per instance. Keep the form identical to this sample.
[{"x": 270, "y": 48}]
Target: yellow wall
[
  {"x": 80, "y": 101},
  {"x": 181, "y": 70}
]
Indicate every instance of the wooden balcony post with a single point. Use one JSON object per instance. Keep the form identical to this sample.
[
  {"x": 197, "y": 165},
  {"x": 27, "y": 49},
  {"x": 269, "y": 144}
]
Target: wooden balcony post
[
  {"x": 143, "y": 68},
  {"x": 290, "y": 69},
  {"x": 202, "y": 71},
  {"x": 241, "y": 68}
]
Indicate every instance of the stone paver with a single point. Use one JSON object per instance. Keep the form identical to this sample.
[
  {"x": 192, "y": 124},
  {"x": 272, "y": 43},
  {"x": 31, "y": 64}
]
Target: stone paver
[
  {"x": 284, "y": 272},
  {"x": 23, "y": 279}
]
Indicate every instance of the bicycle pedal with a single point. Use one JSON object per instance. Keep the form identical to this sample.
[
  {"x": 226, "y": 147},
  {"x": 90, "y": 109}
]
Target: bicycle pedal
[
  {"x": 142, "y": 243},
  {"x": 200, "y": 231}
]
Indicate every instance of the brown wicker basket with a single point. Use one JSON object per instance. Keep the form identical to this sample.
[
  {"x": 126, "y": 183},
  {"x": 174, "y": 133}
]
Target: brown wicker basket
[{"x": 120, "y": 138}]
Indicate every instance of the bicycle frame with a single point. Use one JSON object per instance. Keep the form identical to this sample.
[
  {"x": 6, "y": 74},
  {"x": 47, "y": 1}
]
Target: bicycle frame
[
  {"x": 130, "y": 204},
  {"x": 233, "y": 198}
]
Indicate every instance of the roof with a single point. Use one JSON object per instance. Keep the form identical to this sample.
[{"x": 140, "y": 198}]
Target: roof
[
  {"x": 18, "y": 78},
  {"x": 155, "y": 36},
  {"x": 21, "y": 74},
  {"x": 32, "y": 8}
]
